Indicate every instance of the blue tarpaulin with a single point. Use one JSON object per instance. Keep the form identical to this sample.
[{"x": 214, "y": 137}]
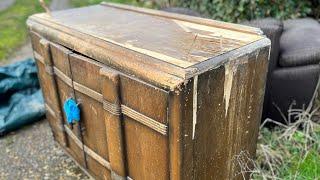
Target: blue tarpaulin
[{"x": 21, "y": 100}]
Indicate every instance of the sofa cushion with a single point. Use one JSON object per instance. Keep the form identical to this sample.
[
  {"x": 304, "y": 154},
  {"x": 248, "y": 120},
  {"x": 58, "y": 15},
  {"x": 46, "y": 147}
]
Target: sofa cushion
[
  {"x": 306, "y": 22},
  {"x": 272, "y": 28},
  {"x": 265, "y": 23},
  {"x": 300, "y": 43},
  {"x": 291, "y": 84}
]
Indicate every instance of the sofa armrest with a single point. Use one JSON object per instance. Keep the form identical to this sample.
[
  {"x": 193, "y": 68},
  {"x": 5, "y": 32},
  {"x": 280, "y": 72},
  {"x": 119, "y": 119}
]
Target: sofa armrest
[{"x": 272, "y": 28}]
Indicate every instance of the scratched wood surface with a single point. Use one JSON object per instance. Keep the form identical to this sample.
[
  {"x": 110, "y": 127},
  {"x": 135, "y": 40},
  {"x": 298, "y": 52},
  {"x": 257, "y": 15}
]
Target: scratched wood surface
[
  {"x": 162, "y": 96},
  {"x": 180, "y": 43}
]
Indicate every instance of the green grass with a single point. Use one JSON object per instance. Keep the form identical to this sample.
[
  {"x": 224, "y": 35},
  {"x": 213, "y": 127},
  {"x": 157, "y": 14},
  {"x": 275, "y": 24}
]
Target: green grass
[
  {"x": 289, "y": 150},
  {"x": 289, "y": 158},
  {"x": 13, "y": 29}
]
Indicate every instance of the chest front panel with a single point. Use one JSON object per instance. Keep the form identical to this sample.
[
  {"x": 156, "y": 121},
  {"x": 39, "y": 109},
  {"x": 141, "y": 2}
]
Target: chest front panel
[{"x": 123, "y": 129}]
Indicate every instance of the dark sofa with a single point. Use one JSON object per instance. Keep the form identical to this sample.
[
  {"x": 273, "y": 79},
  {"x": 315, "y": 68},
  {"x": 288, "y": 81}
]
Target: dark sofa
[
  {"x": 294, "y": 62},
  {"x": 293, "y": 66}
]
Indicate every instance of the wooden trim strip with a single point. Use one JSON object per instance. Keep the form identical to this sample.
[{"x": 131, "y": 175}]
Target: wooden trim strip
[
  {"x": 87, "y": 91},
  {"x": 52, "y": 113},
  {"x": 38, "y": 57},
  {"x": 48, "y": 68},
  {"x": 50, "y": 110},
  {"x": 112, "y": 108},
  {"x": 80, "y": 166},
  {"x": 89, "y": 151},
  {"x": 62, "y": 76},
  {"x": 155, "y": 125}
]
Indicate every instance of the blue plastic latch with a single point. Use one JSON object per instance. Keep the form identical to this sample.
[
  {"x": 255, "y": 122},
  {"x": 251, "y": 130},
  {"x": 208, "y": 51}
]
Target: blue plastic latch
[{"x": 72, "y": 111}]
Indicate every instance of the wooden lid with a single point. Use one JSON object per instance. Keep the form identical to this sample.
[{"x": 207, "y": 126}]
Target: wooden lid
[{"x": 176, "y": 44}]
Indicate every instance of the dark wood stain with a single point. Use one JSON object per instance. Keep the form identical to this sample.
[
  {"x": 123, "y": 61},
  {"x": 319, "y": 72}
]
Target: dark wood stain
[{"x": 158, "y": 65}]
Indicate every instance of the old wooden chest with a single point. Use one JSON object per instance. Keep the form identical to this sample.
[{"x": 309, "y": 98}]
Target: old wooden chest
[{"x": 161, "y": 95}]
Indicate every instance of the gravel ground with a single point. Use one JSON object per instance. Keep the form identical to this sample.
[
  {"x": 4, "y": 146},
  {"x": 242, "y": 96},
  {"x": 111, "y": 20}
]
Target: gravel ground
[{"x": 31, "y": 153}]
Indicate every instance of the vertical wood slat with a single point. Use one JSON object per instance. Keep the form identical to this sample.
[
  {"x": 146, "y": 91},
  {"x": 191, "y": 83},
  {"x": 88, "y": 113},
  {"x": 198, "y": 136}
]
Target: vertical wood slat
[
  {"x": 114, "y": 127},
  {"x": 61, "y": 60},
  {"x": 46, "y": 58}
]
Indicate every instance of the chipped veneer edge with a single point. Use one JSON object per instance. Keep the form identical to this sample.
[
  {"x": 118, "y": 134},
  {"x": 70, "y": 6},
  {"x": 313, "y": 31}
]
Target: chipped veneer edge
[
  {"x": 230, "y": 69},
  {"x": 228, "y": 75},
  {"x": 217, "y": 61},
  {"x": 220, "y": 60},
  {"x": 195, "y": 105}
]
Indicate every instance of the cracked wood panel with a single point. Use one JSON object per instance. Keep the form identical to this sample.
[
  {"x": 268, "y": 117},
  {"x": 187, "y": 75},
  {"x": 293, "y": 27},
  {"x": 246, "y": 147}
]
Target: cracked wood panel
[
  {"x": 228, "y": 115},
  {"x": 180, "y": 43},
  {"x": 218, "y": 121}
]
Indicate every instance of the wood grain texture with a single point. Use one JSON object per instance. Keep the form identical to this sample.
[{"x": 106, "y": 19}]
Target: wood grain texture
[
  {"x": 181, "y": 43},
  {"x": 229, "y": 124},
  {"x": 147, "y": 152},
  {"x": 60, "y": 61},
  {"x": 162, "y": 96},
  {"x": 113, "y": 122},
  {"x": 146, "y": 159},
  {"x": 180, "y": 132},
  {"x": 94, "y": 135},
  {"x": 166, "y": 76},
  {"x": 162, "y": 56},
  {"x": 193, "y": 19},
  {"x": 144, "y": 99},
  {"x": 49, "y": 85}
]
